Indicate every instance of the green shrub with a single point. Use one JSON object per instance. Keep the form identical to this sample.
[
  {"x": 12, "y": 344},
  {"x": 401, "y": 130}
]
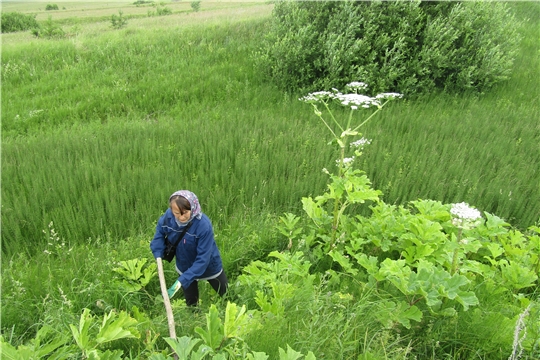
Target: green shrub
[
  {"x": 118, "y": 21},
  {"x": 163, "y": 11},
  {"x": 16, "y": 21},
  {"x": 409, "y": 46},
  {"x": 160, "y": 11},
  {"x": 49, "y": 30},
  {"x": 196, "y": 5},
  {"x": 142, "y": 3},
  {"x": 51, "y": 7}
]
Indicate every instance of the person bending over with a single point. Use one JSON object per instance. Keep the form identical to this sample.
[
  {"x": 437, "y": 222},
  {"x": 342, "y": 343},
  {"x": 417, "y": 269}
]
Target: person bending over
[{"x": 197, "y": 255}]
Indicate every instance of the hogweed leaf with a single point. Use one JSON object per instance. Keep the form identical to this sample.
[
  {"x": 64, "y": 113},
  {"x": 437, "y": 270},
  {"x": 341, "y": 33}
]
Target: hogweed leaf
[
  {"x": 9, "y": 352},
  {"x": 80, "y": 334},
  {"x": 202, "y": 352},
  {"x": 182, "y": 346},
  {"x": 131, "y": 269},
  {"x": 343, "y": 261},
  {"x": 214, "y": 335},
  {"x": 149, "y": 273},
  {"x": 467, "y": 299},
  {"x": 407, "y": 313},
  {"x": 397, "y": 272},
  {"x": 290, "y": 354},
  {"x": 50, "y": 344},
  {"x": 257, "y": 356},
  {"x": 236, "y": 321},
  {"x": 115, "y": 327},
  {"x": 107, "y": 355},
  {"x": 517, "y": 276}
]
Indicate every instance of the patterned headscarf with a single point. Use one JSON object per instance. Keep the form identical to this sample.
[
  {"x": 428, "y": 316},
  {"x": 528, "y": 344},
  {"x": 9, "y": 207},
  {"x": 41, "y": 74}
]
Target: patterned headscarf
[{"x": 196, "y": 211}]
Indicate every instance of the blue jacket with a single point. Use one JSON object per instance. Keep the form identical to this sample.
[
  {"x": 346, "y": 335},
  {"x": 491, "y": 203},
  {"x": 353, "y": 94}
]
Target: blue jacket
[{"x": 197, "y": 255}]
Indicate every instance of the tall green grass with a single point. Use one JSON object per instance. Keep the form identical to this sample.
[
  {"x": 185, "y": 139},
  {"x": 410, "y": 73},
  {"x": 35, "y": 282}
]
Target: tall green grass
[
  {"x": 480, "y": 148},
  {"x": 98, "y": 130},
  {"x": 130, "y": 118}
]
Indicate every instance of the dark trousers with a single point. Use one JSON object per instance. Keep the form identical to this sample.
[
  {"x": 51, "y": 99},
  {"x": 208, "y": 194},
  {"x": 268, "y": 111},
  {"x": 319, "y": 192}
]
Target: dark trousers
[{"x": 219, "y": 284}]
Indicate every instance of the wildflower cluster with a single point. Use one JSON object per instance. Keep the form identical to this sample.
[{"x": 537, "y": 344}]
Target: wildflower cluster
[
  {"x": 345, "y": 161},
  {"x": 360, "y": 143},
  {"x": 352, "y": 100},
  {"x": 464, "y": 216}
]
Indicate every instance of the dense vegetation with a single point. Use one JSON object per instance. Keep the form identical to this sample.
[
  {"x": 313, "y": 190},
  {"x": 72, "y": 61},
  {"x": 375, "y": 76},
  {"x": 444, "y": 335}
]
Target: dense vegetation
[
  {"x": 16, "y": 21},
  {"x": 406, "y": 46},
  {"x": 98, "y": 129}
]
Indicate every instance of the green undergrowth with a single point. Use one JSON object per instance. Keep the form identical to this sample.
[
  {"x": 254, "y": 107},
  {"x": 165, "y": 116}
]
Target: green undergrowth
[{"x": 96, "y": 137}]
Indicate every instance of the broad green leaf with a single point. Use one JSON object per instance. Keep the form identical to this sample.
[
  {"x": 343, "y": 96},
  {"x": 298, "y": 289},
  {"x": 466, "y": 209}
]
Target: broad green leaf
[
  {"x": 214, "y": 335},
  {"x": 371, "y": 264},
  {"x": 80, "y": 334},
  {"x": 51, "y": 344},
  {"x": 219, "y": 357},
  {"x": 149, "y": 273},
  {"x": 290, "y": 354},
  {"x": 107, "y": 355},
  {"x": 343, "y": 261},
  {"x": 433, "y": 210},
  {"x": 182, "y": 346},
  {"x": 9, "y": 352},
  {"x": 517, "y": 276},
  {"x": 467, "y": 299},
  {"x": 312, "y": 209},
  {"x": 236, "y": 321},
  {"x": 452, "y": 285},
  {"x": 131, "y": 269},
  {"x": 202, "y": 352},
  {"x": 405, "y": 313},
  {"x": 495, "y": 249},
  {"x": 397, "y": 272},
  {"x": 257, "y": 356},
  {"x": 116, "y": 327}
]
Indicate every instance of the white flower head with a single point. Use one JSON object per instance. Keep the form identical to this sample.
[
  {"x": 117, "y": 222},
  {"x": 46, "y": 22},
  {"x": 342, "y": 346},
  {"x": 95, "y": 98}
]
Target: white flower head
[
  {"x": 389, "y": 96},
  {"x": 464, "y": 215},
  {"x": 317, "y": 96},
  {"x": 356, "y": 85},
  {"x": 465, "y": 212},
  {"x": 360, "y": 143},
  {"x": 356, "y": 100},
  {"x": 346, "y": 161}
]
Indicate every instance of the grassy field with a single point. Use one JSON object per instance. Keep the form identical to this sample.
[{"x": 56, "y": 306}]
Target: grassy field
[{"x": 98, "y": 128}]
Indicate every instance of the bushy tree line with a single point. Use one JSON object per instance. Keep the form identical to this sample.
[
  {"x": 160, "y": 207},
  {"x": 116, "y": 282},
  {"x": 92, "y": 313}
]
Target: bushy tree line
[
  {"x": 16, "y": 21},
  {"x": 408, "y": 46}
]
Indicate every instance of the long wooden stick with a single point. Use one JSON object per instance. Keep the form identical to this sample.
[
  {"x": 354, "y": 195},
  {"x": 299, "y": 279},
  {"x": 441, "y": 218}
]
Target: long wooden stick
[{"x": 168, "y": 308}]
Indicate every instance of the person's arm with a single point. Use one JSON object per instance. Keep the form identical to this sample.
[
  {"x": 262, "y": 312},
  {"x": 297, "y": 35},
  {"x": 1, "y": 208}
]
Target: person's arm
[{"x": 157, "y": 245}]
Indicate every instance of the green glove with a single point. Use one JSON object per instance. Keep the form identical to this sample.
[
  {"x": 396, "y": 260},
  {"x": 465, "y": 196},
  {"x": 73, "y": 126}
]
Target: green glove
[{"x": 174, "y": 288}]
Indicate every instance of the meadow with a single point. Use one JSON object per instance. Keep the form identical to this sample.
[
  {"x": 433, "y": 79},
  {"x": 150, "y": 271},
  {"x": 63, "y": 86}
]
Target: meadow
[{"x": 100, "y": 127}]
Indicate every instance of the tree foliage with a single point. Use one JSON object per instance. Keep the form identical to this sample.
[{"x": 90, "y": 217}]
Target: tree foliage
[
  {"x": 16, "y": 21},
  {"x": 408, "y": 46}
]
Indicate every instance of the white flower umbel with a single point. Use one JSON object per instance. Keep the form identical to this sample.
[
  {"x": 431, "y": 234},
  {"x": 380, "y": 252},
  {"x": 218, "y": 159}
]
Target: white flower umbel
[
  {"x": 346, "y": 161},
  {"x": 389, "y": 96},
  {"x": 464, "y": 216},
  {"x": 357, "y": 100},
  {"x": 356, "y": 85},
  {"x": 317, "y": 96},
  {"x": 360, "y": 143}
]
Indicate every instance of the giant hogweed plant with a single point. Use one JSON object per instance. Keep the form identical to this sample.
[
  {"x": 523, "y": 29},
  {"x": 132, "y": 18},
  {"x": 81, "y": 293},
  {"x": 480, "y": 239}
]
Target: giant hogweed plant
[{"x": 431, "y": 257}]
